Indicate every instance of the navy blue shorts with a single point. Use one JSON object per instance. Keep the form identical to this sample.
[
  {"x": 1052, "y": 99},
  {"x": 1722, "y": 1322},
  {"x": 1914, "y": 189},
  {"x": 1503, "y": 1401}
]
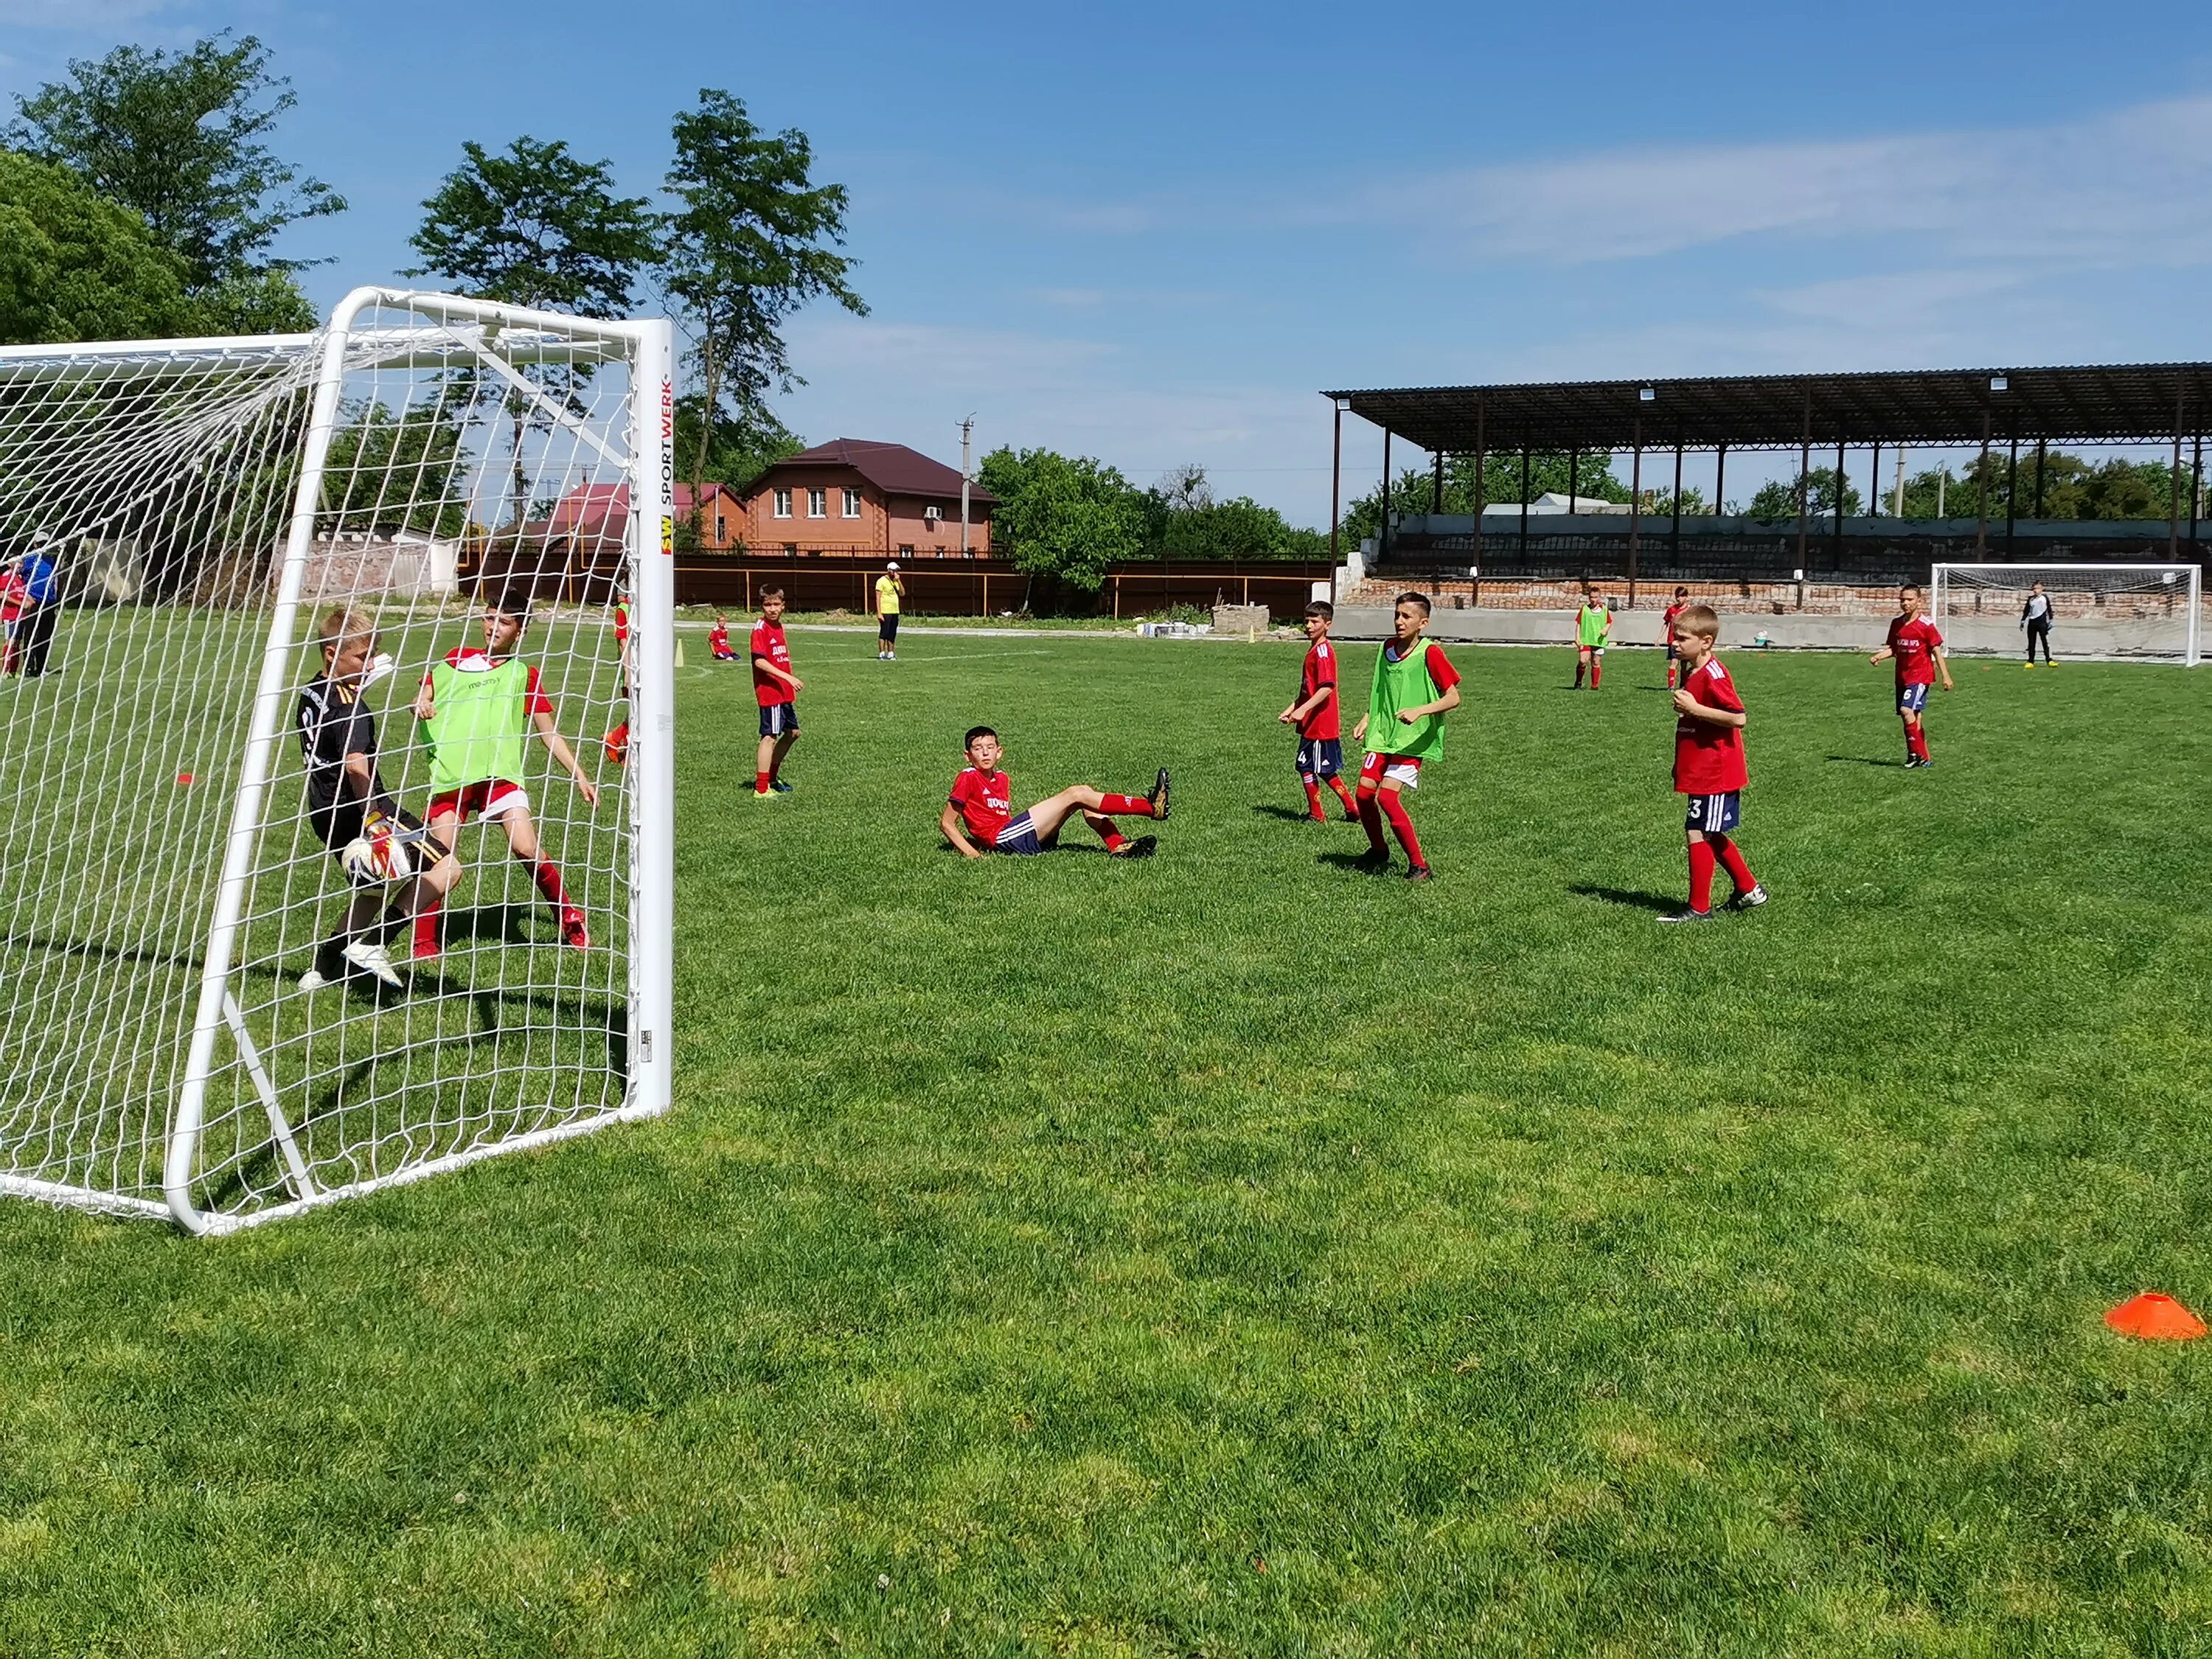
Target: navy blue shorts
[
  {"x": 1018, "y": 837},
  {"x": 1914, "y": 697},
  {"x": 1320, "y": 757},
  {"x": 1715, "y": 814},
  {"x": 779, "y": 717}
]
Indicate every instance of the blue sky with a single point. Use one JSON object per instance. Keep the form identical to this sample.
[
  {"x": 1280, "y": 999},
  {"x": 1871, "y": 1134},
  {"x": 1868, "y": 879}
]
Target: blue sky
[{"x": 1151, "y": 232}]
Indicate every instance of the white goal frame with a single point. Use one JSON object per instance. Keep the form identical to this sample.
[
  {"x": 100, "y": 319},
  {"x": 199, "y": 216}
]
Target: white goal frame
[
  {"x": 447, "y": 331},
  {"x": 2187, "y": 577}
]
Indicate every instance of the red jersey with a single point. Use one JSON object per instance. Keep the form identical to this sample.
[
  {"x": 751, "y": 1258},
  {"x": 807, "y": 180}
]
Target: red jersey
[
  {"x": 14, "y": 594},
  {"x": 471, "y": 659},
  {"x": 1320, "y": 671},
  {"x": 768, "y": 641},
  {"x": 986, "y": 803},
  {"x": 1709, "y": 758},
  {"x": 1666, "y": 621},
  {"x": 1914, "y": 644},
  {"x": 622, "y": 624},
  {"x": 718, "y": 639}
]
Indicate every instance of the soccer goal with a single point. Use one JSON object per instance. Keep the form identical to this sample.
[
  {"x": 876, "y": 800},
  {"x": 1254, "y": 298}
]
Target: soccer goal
[
  {"x": 209, "y": 1013},
  {"x": 2152, "y": 613}
]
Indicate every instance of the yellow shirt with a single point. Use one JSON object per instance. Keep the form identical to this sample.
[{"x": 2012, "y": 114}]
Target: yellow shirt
[{"x": 887, "y": 596}]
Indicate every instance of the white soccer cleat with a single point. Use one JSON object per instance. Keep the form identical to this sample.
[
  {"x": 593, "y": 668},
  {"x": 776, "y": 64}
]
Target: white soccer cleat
[
  {"x": 368, "y": 956},
  {"x": 313, "y": 980}
]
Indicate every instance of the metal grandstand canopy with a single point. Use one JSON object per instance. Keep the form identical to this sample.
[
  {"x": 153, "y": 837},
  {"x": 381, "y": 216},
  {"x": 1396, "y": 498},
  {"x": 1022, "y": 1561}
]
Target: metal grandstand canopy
[{"x": 2129, "y": 402}]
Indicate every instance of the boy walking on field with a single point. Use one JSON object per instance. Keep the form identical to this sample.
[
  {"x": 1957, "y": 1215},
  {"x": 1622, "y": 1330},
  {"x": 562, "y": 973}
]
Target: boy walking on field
[
  {"x": 1918, "y": 650},
  {"x": 1318, "y": 716},
  {"x": 1667, "y": 629},
  {"x": 1709, "y": 766},
  {"x": 979, "y": 817},
  {"x": 1592, "y": 631},
  {"x": 478, "y": 709},
  {"x": 776, "y": 689},
  {"x": 1414, "y": 688}
]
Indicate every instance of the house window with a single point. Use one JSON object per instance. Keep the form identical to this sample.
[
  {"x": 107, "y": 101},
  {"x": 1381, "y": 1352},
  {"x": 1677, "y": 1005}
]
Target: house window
[
  {"x": 783, "y": 504},
  {"x": 906, "y": 548},
  {"x": 852, "y": 503},
  {"x": 721, "y": 529},
  {"x": 817, "y": 503},
  {"x": 791, "y": 547}
]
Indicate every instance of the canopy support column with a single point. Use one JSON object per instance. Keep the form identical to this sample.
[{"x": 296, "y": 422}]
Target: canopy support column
[
  {"x": 1982, "y": 491},
  {"x": 1481, "y": 501}
]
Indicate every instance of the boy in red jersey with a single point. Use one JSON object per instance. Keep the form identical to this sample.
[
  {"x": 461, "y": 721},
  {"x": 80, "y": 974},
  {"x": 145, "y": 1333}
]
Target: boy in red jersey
[
  {"x": 1708, "y": 766},
  {"x": 978, "y": 818},
  {"x": 475, "y": 708},
  {"x": 776, "y": 689},
  {"x": 1317, "y": 715},
  {"x": 1413, "y": 689},
  {"x": 617, "y": 740},
  {"x": 1918, "y": 649},
  {"x": 718, "y": 640},
  {"x": 1667, "y": 629}
]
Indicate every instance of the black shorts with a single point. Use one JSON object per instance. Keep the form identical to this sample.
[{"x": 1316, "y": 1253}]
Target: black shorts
[
  {"x": 337, "y": 827},
  {"x": 779, "y": 719},
  {"x": 887, "y": 628},
  {"x": 1320, "y": 757}
]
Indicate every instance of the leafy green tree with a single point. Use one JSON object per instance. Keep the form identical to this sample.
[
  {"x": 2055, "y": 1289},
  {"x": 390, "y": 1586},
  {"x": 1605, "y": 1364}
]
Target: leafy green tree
[
  {"x": 1591, "y": 473},
  {"x": 737, "y": 449},
  {"x": 2073, "y": 488},
  {"x": 1069, "y": 518},
  {"x": 753, "y": 240},
  {"x": 401, "y": 471},
  {"x": 76, "y": 267},
  {"x": 179, "y": 138},
  {"x": 1777, "y": 498}
]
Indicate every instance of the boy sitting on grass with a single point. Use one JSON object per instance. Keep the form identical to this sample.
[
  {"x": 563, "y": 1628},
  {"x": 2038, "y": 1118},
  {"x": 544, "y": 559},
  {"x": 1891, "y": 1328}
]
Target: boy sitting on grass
[
  {"x": 978, "y": 819},
  {"x": 1708, "y": 766},
  {"x": 718, "y": 640}
]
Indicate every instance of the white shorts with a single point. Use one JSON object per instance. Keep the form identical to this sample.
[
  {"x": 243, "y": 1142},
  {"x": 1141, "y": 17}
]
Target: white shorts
[{"x": 1404, "y": 772}]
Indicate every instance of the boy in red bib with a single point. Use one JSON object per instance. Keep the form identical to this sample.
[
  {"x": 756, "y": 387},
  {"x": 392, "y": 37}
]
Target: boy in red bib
[
  {"x": 1708, "y": 766},
  {"x": 1918, "y": 650},
  {"x": 979, "y": 817},
  {"x": 1317, "y": 714}
]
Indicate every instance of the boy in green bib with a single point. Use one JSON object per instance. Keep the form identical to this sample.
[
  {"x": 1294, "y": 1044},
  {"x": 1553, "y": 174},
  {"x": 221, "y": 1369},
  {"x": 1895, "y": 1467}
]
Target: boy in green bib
[
  {"x": 477, "y": 710},
  {"x": 1593, "y": 631},
  {"x": 1414, "y": 688}
]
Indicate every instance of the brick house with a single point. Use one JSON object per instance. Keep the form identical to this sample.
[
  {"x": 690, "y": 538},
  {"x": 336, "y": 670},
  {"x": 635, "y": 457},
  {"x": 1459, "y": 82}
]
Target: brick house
[
  {"x": 852, "y": 496},
  {"x": 600, "y": 513}
]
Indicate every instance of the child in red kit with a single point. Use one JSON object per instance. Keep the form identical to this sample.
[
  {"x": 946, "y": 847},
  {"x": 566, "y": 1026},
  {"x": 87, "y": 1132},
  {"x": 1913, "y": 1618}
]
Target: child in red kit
[
  {"x": 1317, "y": 715},
  {"x": 979, "y": 816},
  {"x": 718, "y": 640},
  {"x": 1414, "y": 688},
  {"x": 1918, "y": 649},
  {"x": 1709, "y": 766},
  {"x": 776, "y": 689},
  {"x": 1667, "y": 629}
]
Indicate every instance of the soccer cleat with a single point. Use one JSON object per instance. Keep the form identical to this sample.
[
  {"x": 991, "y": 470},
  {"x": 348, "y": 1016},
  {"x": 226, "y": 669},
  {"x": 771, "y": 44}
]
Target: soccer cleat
[
  {"x": 1750, "y": 901},
  {"x": 1142, "y": 847},
  {"x": 313, "y": 980},
  {"x": 1375, "y": 860},
  {"x": 779, "y": 787},
  {"x": 369, "y": 957},
  {"x": 573, "y": 933},
  {"x": 1687, "y": 915},
  {"x": 617, "y": 746},
  {"x": 763, "y": 794},
  {"x": 1419, "y": 872},
  {"x": 1158, "y": 797}
]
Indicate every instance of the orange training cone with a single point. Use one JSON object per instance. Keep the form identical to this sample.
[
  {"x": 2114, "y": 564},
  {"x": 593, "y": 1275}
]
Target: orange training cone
[{"x": 2156, "y": 1317}]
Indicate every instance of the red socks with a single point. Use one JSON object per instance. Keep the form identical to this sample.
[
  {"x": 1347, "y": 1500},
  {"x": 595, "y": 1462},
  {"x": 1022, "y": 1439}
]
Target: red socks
[
  {"x": 1394, "y": 810},
  {"x": 1731, "y": 858},
  {"x": 1578, "y": 674},
  {"x": 426, "y": 925},
  {"x": 547, "y": 875},
  {"x": 760, "y": 781},
  {"x": 1350, "y": 807},
  {"x": 1915, "y": 741},
  {"x": 1597, "y": 667},
  {"x": 1701, "y": 876},
  {"x": 1370, "y": 818},
  {"x": 1133, "y": 806},
  {"x": 1313, "y": 801}
]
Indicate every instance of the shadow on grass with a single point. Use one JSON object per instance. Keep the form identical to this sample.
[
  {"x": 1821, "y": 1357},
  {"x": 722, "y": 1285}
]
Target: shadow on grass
[
  {"x": 1864, "y": 760},
  {"x": 1288, "y": 814},
  {"x": 1360, "y": 864},
  {"x": 1632, "y": 897}
]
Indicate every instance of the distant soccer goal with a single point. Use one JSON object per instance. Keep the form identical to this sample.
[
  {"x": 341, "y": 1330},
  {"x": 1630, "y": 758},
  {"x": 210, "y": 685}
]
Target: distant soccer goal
[
  {"x": 240, "y": 973},
  {"x": 2151, "y": 612}
]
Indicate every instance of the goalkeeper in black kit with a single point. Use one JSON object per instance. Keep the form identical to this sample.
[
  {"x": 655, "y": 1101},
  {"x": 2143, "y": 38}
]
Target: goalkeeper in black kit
[{"x": 353, "y": 814}]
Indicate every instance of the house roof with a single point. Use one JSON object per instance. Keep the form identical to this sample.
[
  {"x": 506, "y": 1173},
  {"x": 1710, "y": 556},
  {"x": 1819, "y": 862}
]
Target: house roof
[
  {"x": 603, "y": 509},
  {"x": 892, "y": 468}
]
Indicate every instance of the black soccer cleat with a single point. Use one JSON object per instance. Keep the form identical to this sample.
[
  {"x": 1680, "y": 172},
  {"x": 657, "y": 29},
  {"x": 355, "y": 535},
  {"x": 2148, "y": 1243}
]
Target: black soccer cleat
[
  {"x": 1142, "y": 847},
  {"x": 1687, "y": 915},
  {"x": 1419, "y": 872},
  {"x": 1158, "y": 797},
  {"x": 1375, "y": 860}
]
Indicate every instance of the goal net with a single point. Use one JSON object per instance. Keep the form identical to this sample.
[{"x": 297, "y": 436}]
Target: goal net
[
  {"x": 238, "y": 979},
  {"x": 2147, "y": 611}
]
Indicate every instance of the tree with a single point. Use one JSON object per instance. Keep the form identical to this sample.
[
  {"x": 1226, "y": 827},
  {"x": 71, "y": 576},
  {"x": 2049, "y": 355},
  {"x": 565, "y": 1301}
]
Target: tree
[
  {"x": 737, "y": 451},
  {"x": 751, "y": 243},
  {"x": 1591, "y": 473},
  {"x": 535, "y": 226},
  {"x": 400, "y": 472},
  {"x": 179, "y": 138},
  {"x": 1066, "y": 517},
  {"x": 75, "y": 267},
  {"x": 1777, "y": 499}
]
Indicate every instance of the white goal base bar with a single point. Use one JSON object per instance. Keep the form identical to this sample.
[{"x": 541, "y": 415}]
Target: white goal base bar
[{"x": 2098, "y": 611}]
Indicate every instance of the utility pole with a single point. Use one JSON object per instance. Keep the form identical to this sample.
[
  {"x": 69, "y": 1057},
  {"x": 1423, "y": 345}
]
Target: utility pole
[
  {"x": 967, "y": 431},
  {"x": 1900, "y": 512}
]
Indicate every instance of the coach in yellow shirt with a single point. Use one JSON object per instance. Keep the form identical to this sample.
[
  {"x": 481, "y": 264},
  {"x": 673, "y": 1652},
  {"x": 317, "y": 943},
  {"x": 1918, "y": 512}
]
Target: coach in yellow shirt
[{"x": 891, "y": 588}]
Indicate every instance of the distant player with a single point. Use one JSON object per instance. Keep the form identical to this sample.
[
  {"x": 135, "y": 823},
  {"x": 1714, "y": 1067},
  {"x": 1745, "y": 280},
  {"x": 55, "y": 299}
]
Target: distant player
[
  {"x": 1667, "y": 629},
  {"x": 776, "y": 689},
  {"x": 347, "y": 799},
  {"x": 478, "y": 709},
  {"x": 718, "y": 640},
  {"x": 979, "y": 817},
  {"x": 890, "y": 594},
  {"x": 1414, "y": 688},
  {"x": 1918, "y": 650},
  {"x": 1593, "y": 631},
  {"x": 1708, "y": 766},
  {"x": 2035, "y": 617},
  {"x": 617, "y": 740},
  {"x": 14, "y": 601},
  {"x": 1317, "y": 714}
]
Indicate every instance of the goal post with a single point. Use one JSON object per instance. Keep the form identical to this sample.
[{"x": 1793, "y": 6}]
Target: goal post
[
  {"x": 211, "y": 1014},
  {"x": 2097, "y": 610}
]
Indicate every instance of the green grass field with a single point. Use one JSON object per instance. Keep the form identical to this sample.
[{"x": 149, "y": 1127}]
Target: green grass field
[{"x": 1236, "y": 1254}]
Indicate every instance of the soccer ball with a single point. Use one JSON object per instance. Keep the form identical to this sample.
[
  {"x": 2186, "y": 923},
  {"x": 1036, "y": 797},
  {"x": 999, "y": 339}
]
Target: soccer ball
[{"x": 376, "y": 856}]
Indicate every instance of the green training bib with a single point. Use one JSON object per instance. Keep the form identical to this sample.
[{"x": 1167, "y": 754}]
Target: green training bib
[
  {"x": 1403, "y": 684},
  {"x": 477, "y": 732}
]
